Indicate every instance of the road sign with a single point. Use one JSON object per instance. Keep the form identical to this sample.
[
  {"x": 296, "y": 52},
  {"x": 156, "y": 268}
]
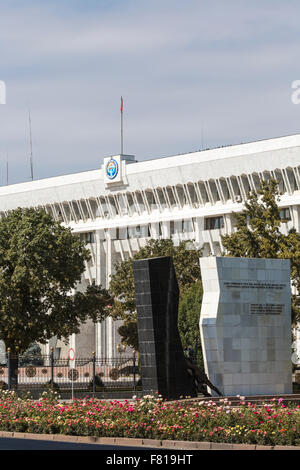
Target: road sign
[{"x": 71, "y": 355}]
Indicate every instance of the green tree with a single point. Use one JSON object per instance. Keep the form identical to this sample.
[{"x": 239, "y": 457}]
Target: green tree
[
  {"x": 188, "y": 320},
  {"x": 258, "y": 234},
  {"x": 32, "y": 356},
  {"x": 41, "y": 263},
  {"x": 186, "y": 263}
]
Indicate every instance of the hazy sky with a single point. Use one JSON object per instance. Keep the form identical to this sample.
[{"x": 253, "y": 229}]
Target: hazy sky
[{"x": 193, "y": 74}]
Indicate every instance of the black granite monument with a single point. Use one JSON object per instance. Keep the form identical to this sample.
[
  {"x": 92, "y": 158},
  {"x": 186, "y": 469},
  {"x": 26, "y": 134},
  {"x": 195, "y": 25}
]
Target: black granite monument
[{"x": 163, "y": 364}]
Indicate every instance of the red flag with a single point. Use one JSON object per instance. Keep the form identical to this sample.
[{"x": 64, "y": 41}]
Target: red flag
[{"x": 121, "y": 105}]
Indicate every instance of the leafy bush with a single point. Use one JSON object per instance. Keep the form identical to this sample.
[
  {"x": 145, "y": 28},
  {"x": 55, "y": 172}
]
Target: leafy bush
[
  {"x": 273, "y": 423},
  {"x": 188, "y": 322},
  {"x": 3, "y": 385},
  {"x": 32, "y": 356},
  {"x": 51, "y": 392},
  {"x": 98, "y": 383}
]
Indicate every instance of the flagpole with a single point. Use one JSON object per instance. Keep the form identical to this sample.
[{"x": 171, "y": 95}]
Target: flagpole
[
  {"x": 121, "y": 125},
  {"x": 30, "y": 139}
]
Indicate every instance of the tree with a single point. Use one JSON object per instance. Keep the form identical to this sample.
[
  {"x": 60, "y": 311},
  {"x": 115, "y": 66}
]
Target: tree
[
  {"x": 32, "y": 356},
  {"x": 258, "y": 234},
  {"x": 41, "y": 263},
  {"x": 186, "y": 263},
  {"x": 188, "y": 320}
]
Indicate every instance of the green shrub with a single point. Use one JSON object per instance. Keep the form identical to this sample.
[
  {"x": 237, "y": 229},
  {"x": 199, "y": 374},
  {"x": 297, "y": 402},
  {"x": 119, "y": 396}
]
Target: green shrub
[{"x": 150, "y": 417}]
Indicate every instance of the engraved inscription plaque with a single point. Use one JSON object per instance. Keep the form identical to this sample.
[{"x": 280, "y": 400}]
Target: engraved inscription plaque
[
  {"x": 245, "y": 325},
  {"x": 267, "y": 309}
]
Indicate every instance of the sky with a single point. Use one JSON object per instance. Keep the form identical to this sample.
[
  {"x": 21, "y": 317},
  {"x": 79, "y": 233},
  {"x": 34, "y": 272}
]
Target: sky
[{"x": 193, "y": 75}]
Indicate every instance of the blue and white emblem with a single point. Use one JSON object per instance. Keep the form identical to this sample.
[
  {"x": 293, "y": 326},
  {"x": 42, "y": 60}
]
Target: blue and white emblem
[{"x": 112, "y": 169}]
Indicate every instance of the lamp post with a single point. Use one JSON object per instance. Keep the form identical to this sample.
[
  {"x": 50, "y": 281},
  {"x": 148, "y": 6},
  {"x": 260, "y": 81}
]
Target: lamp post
[{"x": 94, "y": 372}]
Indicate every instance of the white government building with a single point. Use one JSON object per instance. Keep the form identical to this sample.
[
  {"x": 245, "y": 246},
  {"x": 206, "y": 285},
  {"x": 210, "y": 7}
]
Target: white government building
[{"x": 124, "y": 203}]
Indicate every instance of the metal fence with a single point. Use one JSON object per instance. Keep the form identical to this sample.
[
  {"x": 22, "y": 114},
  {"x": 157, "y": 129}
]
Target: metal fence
[{"x": 90, "y": 374}]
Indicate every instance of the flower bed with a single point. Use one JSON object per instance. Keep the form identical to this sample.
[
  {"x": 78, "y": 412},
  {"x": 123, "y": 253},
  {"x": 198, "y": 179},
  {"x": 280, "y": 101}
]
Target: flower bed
[{"x": 272, "y": 424}]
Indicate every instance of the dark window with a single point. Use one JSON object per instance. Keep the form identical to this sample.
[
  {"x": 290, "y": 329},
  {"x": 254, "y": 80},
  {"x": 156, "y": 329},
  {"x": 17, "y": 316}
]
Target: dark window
[
  {"x": 212, "y": 223},
  {"x": 160, "y": 231},
  {"x": 138, "y": 232},
  {"x": 88, "y": 237},
  {"x": 285, "y": 213},
  {"x": 172, "y": 227}
]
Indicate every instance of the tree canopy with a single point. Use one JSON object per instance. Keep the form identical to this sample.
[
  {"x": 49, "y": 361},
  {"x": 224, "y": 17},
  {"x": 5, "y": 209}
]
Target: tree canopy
[
  {"x": 188, "y": 320},
  {"x": 41, "y": 263},
  {"x": 258, "y": 234},
  {"x": 186, "y": 264}
]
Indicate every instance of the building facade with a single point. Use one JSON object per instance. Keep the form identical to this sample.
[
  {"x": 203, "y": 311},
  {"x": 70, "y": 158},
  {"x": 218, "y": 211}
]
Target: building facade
[{"x": 124, "y": 203}]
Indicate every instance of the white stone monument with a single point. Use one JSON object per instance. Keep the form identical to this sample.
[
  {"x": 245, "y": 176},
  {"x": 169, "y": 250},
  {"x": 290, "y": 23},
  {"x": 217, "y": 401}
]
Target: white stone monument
[{"x": 245, "y": 325}]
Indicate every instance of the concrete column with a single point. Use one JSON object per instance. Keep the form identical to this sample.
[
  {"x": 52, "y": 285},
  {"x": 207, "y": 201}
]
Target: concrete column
[
  {"x": 165, "y": 229},
  {"x": 109, "y": 322},
  {"x": 73, "y": 341},
  {"x": 155, "y": 230},
  {"x": 178, "y": 230},
  {"x": 100, "y": 277},
  {"x": 108, "y": 258},
  {"x": 199, "y": 227},
  {"x": 228, "y": 223},
  {"x": 295, "y": 217}
]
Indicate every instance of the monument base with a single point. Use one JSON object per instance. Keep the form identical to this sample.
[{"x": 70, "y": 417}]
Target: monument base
[{"x": 245, "y": 325}]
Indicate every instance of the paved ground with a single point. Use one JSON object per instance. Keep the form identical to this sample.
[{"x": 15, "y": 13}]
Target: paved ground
[{"x": 31, "y": 444}]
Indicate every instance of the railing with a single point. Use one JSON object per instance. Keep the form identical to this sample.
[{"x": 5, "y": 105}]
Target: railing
[{"x": 91, "y": 374}]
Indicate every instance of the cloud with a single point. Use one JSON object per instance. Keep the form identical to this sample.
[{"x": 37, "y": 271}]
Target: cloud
[{"x": 192, "y": 74}]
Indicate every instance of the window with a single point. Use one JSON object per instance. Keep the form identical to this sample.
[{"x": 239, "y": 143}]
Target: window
[
  {"x": 88, "y": 237},
  {"x": 285, "y": 213},
  {"x": 172, "y": 228},
  {"x": 138, "y": 231},
  {"x": 121, "y": 233},
  {"x": 187, "y": 226},
  {"x": 212, "y": 223},
  {"x": 160, "y": 229}
]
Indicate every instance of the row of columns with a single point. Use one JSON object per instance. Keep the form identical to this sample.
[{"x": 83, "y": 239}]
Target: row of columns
[{"x": 191, "y": 194}]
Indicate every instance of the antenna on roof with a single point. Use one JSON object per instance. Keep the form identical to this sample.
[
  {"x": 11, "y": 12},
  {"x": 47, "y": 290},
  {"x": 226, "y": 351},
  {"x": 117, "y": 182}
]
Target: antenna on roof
[
  {"x": 6, "y": 168},
  {"x": 30, "y": 140}
]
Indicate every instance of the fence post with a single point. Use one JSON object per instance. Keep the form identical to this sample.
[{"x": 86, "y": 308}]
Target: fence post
[
  {"x": 134, "y": 373},
  {"x": 52, "y": 366},
  {"x": 94, "y": 372},
  {"x": 8, "y": 369}
]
